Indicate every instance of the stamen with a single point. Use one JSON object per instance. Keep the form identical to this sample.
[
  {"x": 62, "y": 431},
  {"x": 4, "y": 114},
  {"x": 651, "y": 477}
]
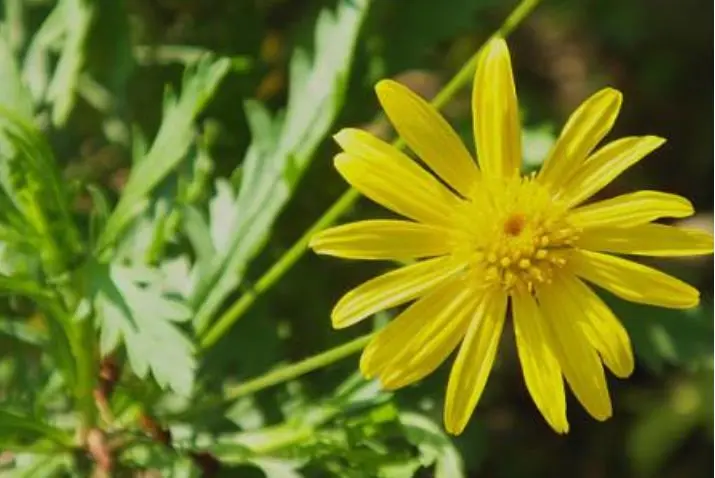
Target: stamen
[
  {"x": 528, "y": 241},
  {"x": 536, "y": 273}
]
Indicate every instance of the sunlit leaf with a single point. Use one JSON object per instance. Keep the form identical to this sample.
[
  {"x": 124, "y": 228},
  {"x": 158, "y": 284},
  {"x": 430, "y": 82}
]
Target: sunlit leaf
[
  {"x": 436, "y": 448},
  {"x": 170, "y": 146},
  {"x": 14, "y": 95},
  {"x": 62, "y": 90},
  {"x": 129, "y": 307},
  {"x": 279, "y": 153}
]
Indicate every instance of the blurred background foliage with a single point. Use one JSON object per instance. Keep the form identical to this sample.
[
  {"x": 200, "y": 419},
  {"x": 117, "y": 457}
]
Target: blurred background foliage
[{"x": 258, "y": 87}]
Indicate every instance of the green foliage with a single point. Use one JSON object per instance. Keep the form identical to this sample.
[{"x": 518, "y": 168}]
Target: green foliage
[
  {"x": 14, "y": 95},
  {"x": 281, "y": 149},
  {"x": 664, "y": 337},
  {"x": 169, "y": 148},
  {"x": 129, "y": 304},
  {"x": 22, "y": 430}
]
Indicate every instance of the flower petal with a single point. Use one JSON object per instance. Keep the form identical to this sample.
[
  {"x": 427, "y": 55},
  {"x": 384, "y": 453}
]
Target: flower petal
[
  {"x": 391, "y": 289},
  {"x": 648, "y": 240},
  {"x": 631, "y": 209},
  {"x": 583, "y": 131},
  {"x": 474, "y": 361},
  {"x": 605, "y": 165},
  {"x": 495, "y": 113},
  {"x": 632, "y": 281},
  {"x": 390, "y": 178},
  {"x": 579, "y": 360},
  {"x": 382, "y": 239},
  {"x": 542, "y": 372},
  {"x": 429, "y": 135},
  {"x": 420, "y": 338},
  {"x": 602, "y": 328}
]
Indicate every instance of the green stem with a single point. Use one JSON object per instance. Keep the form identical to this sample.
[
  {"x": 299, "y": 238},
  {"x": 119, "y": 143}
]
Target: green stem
[
  {"x": 346, "y": 201},
  {"x": 289, "y": 372},
  {"x": 280, "y": 375},
  {"x": 276, "y": 271},
  {"x": 87, "y": 372}
]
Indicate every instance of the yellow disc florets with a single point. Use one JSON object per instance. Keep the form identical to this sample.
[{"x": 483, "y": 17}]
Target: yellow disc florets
[{"x": 516, "y": 235}]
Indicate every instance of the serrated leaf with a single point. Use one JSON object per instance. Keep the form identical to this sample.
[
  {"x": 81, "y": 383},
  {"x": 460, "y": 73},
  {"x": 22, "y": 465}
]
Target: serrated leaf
[
  {"x": 144, "y": 317},
  {"x": 170, "y": 146},
  {"x": 280, "y": 151}
]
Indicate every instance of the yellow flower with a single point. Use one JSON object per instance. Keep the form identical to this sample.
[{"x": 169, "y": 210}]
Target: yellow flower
[{"x": 490, "y": 237}]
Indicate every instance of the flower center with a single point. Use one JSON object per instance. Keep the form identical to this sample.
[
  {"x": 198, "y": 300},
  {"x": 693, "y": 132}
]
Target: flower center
[
  {"x": 515, "y": 224},
  {"x": 520, "y": 236}
]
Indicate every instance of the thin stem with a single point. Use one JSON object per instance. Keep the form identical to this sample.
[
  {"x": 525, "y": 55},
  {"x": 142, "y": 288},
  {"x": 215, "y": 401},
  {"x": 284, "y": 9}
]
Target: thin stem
[
  {"x": 280, "y": 375},
  {"x": 277, "y": 270},
  {"x": 349, "y": 197},
  {"x": 289, "y": 372}
]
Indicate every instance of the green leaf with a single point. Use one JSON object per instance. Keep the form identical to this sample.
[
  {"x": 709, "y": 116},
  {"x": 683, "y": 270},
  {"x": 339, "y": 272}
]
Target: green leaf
[
  {"x": 77, "y": 17},
  {"x": 280, "y": 151},
  {"x": 58, "y": 323},
  {"x": 434, "y": 445},
  {"x": 278, "y": 468},
  {"x": 170, "y": 146},
  {"x": 156, "y": 456},
  {"x": 16, "y": 429},
  {"x": 99, "y": 214},
  {"x": 22, "y": 332},
  {"x": 37, "y": 64},
  {"x": 31, "y": 465},
  {"x": 36, "y": 200},
  {"x": 14, "y": 95},
  {"x": 184, "y": 467},
  {"x": 131, "y": 306}
]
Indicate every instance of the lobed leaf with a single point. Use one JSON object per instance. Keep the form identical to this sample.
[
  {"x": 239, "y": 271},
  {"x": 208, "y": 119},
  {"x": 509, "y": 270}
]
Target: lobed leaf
[
  {"x": 280, "y": 151},
  {"x": 131, "y": 307},
  {"x": 169, "y": 148}
]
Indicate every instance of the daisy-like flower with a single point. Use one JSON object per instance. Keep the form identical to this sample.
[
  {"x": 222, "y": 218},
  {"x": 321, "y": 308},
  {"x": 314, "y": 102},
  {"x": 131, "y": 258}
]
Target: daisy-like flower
[{"x": 493, "y": 241}]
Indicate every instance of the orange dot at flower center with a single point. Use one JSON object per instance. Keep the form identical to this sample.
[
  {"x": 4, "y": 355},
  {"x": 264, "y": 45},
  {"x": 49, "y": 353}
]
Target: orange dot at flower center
[{"x": 514, "y": 224}]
